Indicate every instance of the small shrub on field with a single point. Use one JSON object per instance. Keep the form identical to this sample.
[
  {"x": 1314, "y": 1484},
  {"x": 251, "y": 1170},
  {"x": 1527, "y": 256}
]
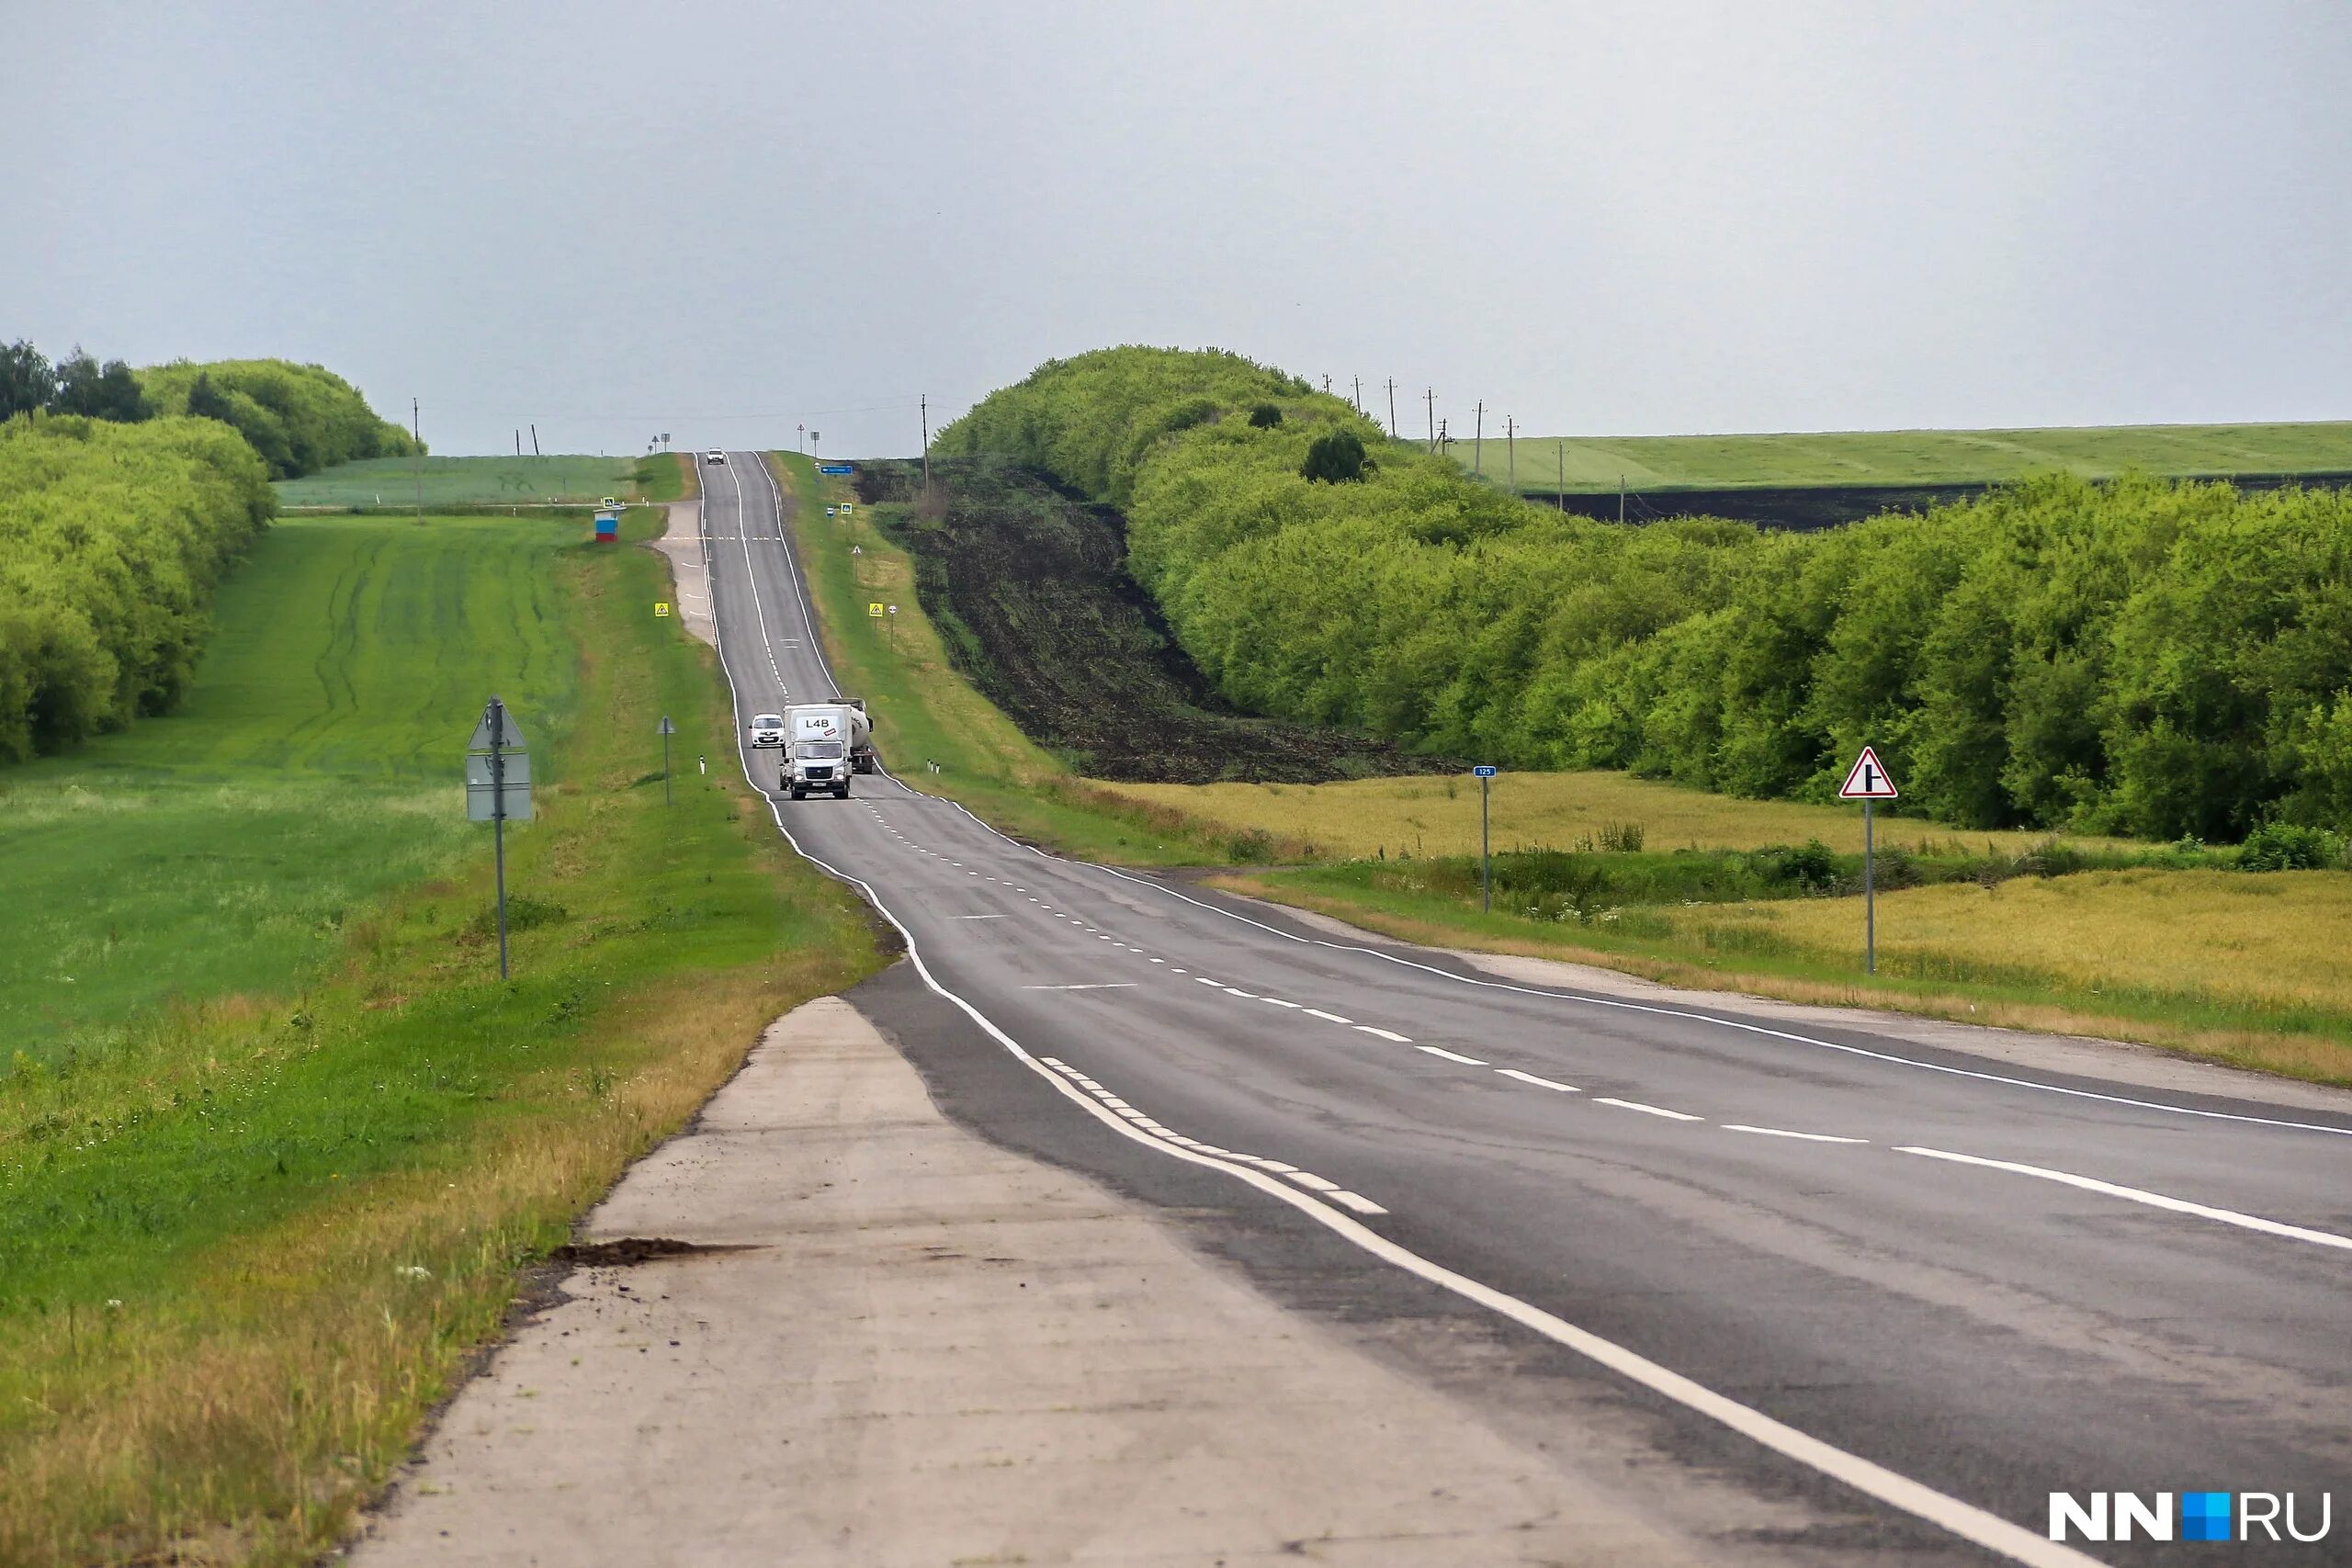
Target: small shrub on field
[
  {"x": 1265, "y": 416},
  {"x": 1252, "y": 846},
  {"x": 1621, "y": 837},
  {"x": 2289, "y": 846},
  {"x": 522, "y": 914},
  {"x": 1335, "y": 457},
  {"x": 1812, "y": 866}
]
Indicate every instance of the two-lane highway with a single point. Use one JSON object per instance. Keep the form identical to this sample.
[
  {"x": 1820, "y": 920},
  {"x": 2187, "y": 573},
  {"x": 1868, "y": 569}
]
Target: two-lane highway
[{"x": 1949, "y": 1285}]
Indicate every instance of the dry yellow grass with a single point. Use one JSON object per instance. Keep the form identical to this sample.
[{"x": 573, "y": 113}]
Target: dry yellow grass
[
  {"x": 1439, "y": 814},
  {"x": 2269, "y": 939}
]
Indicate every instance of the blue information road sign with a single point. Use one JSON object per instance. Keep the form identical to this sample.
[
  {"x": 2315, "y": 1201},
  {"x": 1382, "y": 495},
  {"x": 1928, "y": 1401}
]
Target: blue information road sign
[
  {"x": 836, "y": 468},
  {"x": 1484, "y": 770}
]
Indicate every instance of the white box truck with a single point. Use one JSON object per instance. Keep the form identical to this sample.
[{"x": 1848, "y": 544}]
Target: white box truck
[{"x": 825, "y": 743}]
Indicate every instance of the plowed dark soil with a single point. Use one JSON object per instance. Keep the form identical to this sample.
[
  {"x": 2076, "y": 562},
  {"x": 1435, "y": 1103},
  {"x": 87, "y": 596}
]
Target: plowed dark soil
[{"x": 1029, "y": 587}]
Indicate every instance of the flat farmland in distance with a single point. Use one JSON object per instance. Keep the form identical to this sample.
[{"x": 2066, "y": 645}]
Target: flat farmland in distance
[
  {"x": 460, "y": 482},
  {"x": 1438, "y": 815},
  {"x": 1913, "y": 457}
]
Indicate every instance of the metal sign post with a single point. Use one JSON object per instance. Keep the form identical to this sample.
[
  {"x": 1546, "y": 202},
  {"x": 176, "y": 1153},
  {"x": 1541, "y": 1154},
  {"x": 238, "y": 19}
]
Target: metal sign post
[
  {"x": 668, "y": 730},
  {"x": 498, "y": 787},
  {"x": 1867, "y": 782},
  {"x": 1485, "y": 773}
]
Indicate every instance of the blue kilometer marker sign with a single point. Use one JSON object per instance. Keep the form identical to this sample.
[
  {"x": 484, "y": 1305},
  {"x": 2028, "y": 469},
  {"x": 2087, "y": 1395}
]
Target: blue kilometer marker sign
[{"x": 1484, "y": 770}]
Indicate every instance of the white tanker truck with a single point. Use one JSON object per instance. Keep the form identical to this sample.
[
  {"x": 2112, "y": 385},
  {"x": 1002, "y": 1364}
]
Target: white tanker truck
[{"x": 824, "y": 743}]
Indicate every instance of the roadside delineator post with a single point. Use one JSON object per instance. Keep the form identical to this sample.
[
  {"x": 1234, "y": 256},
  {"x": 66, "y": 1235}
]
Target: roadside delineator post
[
  {"x": 1867, "y": 782},
  {"x": 1485, "y": 772}
]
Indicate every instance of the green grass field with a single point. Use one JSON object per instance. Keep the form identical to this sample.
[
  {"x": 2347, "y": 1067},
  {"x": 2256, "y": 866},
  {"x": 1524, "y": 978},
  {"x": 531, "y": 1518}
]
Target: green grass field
[
  {"x": 1913, "y": 457},
  {"x": 221, "y": 849},
  {"x": 271, "y": 1158},
  {"x": 460, "y": 482}
]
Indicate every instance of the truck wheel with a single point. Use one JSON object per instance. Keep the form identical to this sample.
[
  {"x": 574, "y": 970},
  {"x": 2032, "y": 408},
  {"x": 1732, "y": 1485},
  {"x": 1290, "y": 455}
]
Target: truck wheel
[
  {"x": 799, "y": 794},
  {"x": 841, "y": 793}
]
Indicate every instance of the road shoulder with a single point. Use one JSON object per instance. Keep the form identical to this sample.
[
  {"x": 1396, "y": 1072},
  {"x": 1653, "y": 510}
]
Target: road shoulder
[
  {"x": 912, "y": 1345},
  {"x": 2118, "y": 1062}
]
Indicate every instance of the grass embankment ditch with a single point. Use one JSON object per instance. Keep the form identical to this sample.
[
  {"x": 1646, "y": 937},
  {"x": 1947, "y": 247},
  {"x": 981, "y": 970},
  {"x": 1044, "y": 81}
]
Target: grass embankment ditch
[{"x": 268, "y": 1184}]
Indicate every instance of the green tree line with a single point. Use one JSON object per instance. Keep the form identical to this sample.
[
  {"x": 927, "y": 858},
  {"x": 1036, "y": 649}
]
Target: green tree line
[
  {"x": 300, "y": 418},
  {"x": 112, "y": 537},
  {"x": 2137, "y": 657}
]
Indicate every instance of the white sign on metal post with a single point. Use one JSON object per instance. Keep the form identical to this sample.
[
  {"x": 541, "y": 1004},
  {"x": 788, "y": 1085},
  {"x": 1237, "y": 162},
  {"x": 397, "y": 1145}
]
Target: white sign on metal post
[
  {"x": 498, "y": 791},
  {"x": 1867, "y": 782}
]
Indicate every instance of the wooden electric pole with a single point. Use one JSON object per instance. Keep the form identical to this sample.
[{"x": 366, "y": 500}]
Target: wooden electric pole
[
  {"x": 1392, "y": 408},
  {"x": 1511, "y": 445},
  {"x": 1478, "y": 441},
  {"x": 1429, "y": 397}
]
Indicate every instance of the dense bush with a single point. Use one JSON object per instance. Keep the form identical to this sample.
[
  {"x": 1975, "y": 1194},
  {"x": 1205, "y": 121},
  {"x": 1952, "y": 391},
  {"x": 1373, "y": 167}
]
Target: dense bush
[
  {"x": 112, "y": 537},
  {"x": 2137, "y": 657},
  {"x": 300, "y": 418}
]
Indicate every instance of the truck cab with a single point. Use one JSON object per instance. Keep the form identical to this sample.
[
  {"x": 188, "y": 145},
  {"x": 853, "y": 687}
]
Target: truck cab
[{"x": 813, "y": 767}]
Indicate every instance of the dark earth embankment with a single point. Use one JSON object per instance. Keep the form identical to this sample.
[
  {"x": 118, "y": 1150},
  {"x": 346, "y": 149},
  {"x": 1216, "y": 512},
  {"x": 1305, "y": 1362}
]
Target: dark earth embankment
[
  {"x": 1802, "y": 507},
  {"x": 1029, "y": 588}
]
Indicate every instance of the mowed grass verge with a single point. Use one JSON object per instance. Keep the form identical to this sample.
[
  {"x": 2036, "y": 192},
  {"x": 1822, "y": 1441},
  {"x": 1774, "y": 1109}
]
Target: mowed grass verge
[
  {"x": 1913, "y": 457},
  {"x": 255, "y": 1210},
  {"x": 395, "y": 482}
]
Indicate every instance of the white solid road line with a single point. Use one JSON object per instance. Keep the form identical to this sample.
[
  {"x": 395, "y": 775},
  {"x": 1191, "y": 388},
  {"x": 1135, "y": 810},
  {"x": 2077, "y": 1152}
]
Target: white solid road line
[
  {"x": 1647, "y": 1110},
  {"x": 1963, "y": 1520},
  {"x": 1450, "y": 1056},
  {"x": 979, "y": 916},
  {"x": 2141, "y": 1195},
  {"x": 1095, "y": 986},
  {"x": 1785, "y": 1133},
  {"x": 1385, "y": 1035},
  {"x": 1327, "y": 1017},
  {"x": 1539, "y": 1083}
]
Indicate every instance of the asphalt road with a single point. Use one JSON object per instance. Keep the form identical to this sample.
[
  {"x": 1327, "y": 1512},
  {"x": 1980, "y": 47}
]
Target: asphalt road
[{"x": 1829, "y": 1261}]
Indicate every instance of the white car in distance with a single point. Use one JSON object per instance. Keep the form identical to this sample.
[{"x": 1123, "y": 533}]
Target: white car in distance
[
  {"x": 768, "y": 729},
  {"x": 713, "y": 456}
]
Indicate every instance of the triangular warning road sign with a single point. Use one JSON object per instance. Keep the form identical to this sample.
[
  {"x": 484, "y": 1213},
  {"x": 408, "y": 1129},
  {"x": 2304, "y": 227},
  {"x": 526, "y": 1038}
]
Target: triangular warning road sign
[{"x": 1867, "y": 780}]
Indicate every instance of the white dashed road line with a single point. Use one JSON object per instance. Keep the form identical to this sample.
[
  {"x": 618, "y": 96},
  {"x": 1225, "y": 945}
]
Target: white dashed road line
[
  {"x": 1539, "y": 1083},
  {"x": 1450, "y": 1056},
  {"x": 1785, "y": 1133},
  {"x": 1385, "y": 1035},
  {"x": 1327, "y": 1017},
  {"x": 1648, "y": 1110}
]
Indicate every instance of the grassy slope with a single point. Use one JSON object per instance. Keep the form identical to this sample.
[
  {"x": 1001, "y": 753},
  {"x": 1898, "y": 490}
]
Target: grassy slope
[
  {"x": 925, "y": 712},
  {"x": 220, "y": 848},
  {"x": 460, "y": 482},
  {"x": 250, "y": 1236},
  {"x": 1915, "y": 456}
]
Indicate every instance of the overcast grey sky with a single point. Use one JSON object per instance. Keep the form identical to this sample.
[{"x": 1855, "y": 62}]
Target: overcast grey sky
[{"x": 727, "y": 219}]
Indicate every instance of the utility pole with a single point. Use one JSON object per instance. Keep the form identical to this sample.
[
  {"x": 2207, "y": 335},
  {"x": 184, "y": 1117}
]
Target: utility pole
[
  {"x": 1358, "y": 399},
  {"x": 1511, "y": 445},
  {"x": 1478, "y": 441},
  {"x": 1327, "y": 386},
  {"x": 518, "y": 441},
  {"x": 534, "y": 439},
  {"x": 923, "y": 402},
  {"x": 1560, "y": 450},
  {"x": 416, "y": 458},
  {"x": 1392, "y": 408},
  {"x": 1429, "y": 397}
]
